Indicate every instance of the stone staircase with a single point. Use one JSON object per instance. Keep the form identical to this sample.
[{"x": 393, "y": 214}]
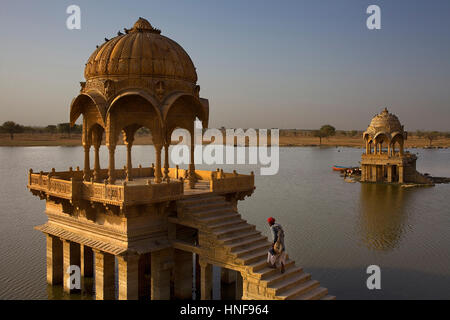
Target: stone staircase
[{"x": 236, "y": 244}]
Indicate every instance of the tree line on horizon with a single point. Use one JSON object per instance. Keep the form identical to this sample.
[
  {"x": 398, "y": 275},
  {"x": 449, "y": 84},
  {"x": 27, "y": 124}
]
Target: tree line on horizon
[{"x": 326, "y": 131}]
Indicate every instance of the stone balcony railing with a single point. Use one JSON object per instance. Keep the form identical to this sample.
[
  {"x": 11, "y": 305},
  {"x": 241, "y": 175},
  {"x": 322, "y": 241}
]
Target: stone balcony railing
[
  {"x": 385, "y": 156},
  {"x": 70, "y": 185}
]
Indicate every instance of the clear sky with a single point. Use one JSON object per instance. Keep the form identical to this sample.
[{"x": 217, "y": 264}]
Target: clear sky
[{"x": 265, "y": 64}]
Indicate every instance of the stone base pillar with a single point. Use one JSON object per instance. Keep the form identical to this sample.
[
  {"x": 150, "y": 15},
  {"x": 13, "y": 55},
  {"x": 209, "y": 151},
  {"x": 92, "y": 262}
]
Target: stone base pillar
[
  {"x": 228, "y": 276},
  {"x": 71, "y": 253},
  {"x": 87, "y": 261},
  {"x": 183, "y": 275},
  {"x": 128, "y": 277},
  {"x": 389, "y": 174},
  {"x": 239, "y": 286},
  {"x": 205, "y": 280},
  {"x": 161, "y": 265},
  {"x": 104, "y": 276},
  {"x": 54, "y": 260},
  {"x": 401, "y": 177}
]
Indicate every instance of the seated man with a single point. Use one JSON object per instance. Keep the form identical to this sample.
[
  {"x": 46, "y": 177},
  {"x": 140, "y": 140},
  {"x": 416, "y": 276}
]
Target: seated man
[{"x": 277, "y": 253}]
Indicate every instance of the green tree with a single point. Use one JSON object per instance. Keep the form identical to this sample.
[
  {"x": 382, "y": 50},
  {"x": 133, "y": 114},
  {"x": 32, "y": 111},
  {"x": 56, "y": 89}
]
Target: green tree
[
  {"x": 328, "y": 130},
  {"x": 431, "y": 135},
  {"x": 319, "y": 134},
  {"x": 52, "y": 129},
  {"x": 11, "y": 127},
  {"x": 64, "y": 128}
]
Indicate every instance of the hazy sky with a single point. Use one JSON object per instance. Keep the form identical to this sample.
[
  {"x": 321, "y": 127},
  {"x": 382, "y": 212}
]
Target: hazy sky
[{"x": 286, "y": 64}]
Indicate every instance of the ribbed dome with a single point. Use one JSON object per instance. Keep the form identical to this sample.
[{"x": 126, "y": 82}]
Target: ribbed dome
[
  {"x": 141, "y": 52},
  {"x": 385, "y": 122}
]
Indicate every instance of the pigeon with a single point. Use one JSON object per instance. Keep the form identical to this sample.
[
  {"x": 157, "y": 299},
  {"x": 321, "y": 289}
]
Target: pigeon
[{"x": 106, "y": 39}]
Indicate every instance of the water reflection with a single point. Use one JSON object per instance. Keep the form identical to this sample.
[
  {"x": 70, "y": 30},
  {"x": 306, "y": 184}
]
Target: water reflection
[{"x": 383, "y": 218}]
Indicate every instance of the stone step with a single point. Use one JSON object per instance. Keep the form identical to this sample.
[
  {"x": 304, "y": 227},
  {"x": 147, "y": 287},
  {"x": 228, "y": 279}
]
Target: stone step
[
  {"x": 251, "y": 248},
  {"x": 277, "y": 276},
  {"x": 210, "y": 212},
  {"x": 263, "y": 271},
  {"x": 328, "y": 297},
  {"x": 245, "y": 242},
  {"x": 289, "y": 282},
  {"x": 298, "y": 290},
  {"x": 200, "y": 199},
  {"x": 233, "y": 230},
  {"x": 207, "y": 205},
  {"x": 222, "y": 216},
  {"x": 225, "y": 223},
  {"x": 315, "y": 294},
  {"x": 235, "y": 238},
  {"x": 255, "y": 256}
]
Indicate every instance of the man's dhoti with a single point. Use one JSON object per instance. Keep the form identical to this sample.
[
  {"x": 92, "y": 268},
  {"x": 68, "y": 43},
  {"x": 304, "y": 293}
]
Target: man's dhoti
[{"x": 276, "y": 259}]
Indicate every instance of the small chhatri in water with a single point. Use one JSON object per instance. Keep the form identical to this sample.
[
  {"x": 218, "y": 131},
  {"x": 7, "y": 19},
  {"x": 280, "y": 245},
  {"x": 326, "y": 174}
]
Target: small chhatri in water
[{"x": 391, "y": 164}]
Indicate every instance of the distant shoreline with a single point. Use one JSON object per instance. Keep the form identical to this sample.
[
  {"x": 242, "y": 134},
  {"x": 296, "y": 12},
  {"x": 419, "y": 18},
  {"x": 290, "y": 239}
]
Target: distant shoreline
[{"x": 49, "y": 140}]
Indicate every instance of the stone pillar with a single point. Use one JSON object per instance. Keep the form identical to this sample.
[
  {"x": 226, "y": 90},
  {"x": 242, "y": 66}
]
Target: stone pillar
[
  {"x": 97, "y": 162},
  {"x": 228, "y": 276},
  {"x": 128, "y": 277},
  {"x": 112, "y": 170},
  {"x": 71, "y": 254},
  {"x": 166, "y": 161},
  {"x": 87, "y": 261},
  {"x": 158, "y": 178},
  {"x": 161, "y": 265},
  {"x": 54, "y": 260},
  {"x": 87, "y": 170},
  {"x": 183, "y": 275},
  {"x": 129, "y": 164},
  {"x": 401, "y": 174},
  {"x": 363, "y": 173},
  {"x": 239, "y": 286},
  {"x": 205, "y": 280},
  {"x": 192, "y": 178},
  {"x": 104, "y": 276},
  {"x": 389, "y": 174}
]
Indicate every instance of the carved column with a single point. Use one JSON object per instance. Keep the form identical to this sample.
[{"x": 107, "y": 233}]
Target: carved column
[
  {"x": 128, "y": 277},
  {"x": 54, "y": 260},
  {"x": 166, "y": 161},
  {"x": 129, "y": 144},
  {"x": 158, "y": 148},
  {"x": 192, "y": 178},
  {"x": 87, "y": 170},
  {"x": 71, "y": 254},
  {"x": 104, "y": 276},
  {"x": 401, "y": 178},
  {"x": 87, "y": 261},
  {"x": 183, "y": 272},
  {"x": 205, "y": 280},
  {"x": 389, "y": 174},
  {"x": 97, "y": 163},
  {"x": 161, "y": 265},
  {"x": 111, "y": 170}
]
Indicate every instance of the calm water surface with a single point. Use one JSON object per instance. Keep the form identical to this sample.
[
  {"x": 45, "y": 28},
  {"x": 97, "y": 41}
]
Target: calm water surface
[{"x": 333, "y": 229}]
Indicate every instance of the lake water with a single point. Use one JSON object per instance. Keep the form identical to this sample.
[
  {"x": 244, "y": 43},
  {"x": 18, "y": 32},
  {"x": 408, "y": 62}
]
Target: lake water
[{"x": 334, "y": 229}]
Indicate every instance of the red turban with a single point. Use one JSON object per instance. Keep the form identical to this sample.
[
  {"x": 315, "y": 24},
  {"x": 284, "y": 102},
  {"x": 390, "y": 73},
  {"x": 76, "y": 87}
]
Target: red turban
[{"x": 271, "y": 220}]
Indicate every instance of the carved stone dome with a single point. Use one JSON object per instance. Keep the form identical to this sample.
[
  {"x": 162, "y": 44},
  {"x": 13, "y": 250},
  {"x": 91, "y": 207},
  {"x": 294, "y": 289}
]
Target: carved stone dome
[
  {"x": 385, "y": 122},
  {"x": 141, "y": 52}
]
